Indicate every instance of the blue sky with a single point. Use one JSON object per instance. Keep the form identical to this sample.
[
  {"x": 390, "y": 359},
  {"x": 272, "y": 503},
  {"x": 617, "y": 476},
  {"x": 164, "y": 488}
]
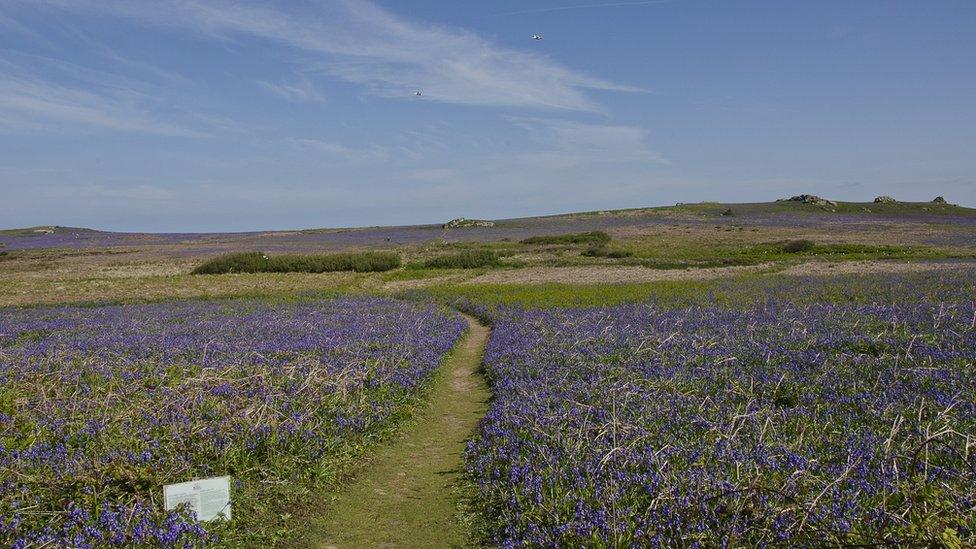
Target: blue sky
[{"x": 218, "y": 115}]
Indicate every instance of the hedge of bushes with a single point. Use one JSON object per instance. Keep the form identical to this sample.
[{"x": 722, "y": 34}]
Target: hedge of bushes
[
  {"x": 468, "y": 259},
  {"x": 592, "y": 237},
  {"x": 798, "y": 246},
  {"x": 603, "y": 251},
  {"x": 257, "y": 262}
]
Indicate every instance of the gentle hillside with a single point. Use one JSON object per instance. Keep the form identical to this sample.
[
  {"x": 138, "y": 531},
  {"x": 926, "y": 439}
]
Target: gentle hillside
[{"x": 764, "y": 214}]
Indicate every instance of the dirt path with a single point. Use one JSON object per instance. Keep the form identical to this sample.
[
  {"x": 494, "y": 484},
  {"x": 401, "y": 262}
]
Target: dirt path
[{"x": 405, "y": 497}]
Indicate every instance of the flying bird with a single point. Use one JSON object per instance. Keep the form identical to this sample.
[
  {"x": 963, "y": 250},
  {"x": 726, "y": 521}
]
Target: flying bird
[
  {"x": 537, "y": 36},
  {"x": 418, "y": 93}
]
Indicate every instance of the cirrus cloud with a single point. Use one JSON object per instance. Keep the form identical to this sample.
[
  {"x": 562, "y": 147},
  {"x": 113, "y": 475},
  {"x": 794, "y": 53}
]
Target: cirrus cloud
[{"x": 362, "y": 43}]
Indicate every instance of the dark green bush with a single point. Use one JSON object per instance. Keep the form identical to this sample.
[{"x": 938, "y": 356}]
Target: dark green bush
[
  {"x": 250, "y": 262},
  {"x": 798, "y": 246},
  {"x": 592, "y": 237},
  {"x": 360, "y": 262},
  {"x": 257, "y": 262},
  {"x": 468, "y": 259},
  {"x": 603, "y": 251}
]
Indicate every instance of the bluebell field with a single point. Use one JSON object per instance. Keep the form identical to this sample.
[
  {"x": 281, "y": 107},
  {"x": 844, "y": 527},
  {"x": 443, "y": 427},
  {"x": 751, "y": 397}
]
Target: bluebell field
[
  {"x": 100, "y": 407},
  {"x": 705, "y": 426}
]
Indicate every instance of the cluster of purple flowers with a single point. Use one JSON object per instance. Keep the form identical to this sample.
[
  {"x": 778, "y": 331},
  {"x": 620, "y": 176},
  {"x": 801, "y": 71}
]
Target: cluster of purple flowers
[
  {"x": 99, "y": 407},
  {"x": 780, "y": 424}
]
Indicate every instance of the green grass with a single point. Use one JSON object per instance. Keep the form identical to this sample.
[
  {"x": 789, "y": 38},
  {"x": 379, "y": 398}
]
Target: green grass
[
  {"x": 598, "y": 238},
  {"x": 408, "y": 491},
  {"x": 603, "y": 251},
  {"x": 414, "y": 271},
  {"x": 257, "y": 262},
  {"x": 738, "y": 291},
  {"x": 698, "y": 250},
  {"x": 721, "y": 245},
  {"x": 467, "y": 259},
  {"x": 682, "y": 252},
  {"x": 564, "y": 295},
  {"x": 798, "y": 246}
]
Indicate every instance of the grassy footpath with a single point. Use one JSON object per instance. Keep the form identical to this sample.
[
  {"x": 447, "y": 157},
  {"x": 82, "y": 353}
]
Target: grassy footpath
[{"x": 406, "y": 496}]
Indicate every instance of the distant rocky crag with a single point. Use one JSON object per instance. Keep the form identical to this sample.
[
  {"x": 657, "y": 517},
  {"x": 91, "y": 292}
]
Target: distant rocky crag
[
  {"x": 809, "y": 199},
  {"x": 818, "y": 201},
  {"x": 462, "y": 222}
]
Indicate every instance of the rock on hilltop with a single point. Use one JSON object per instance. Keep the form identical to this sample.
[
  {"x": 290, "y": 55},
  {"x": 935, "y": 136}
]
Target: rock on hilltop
[
  {"x": 809, "y": 199},
  {"x": 462, "y": 222},
  {"x": 885, "y": 199}
]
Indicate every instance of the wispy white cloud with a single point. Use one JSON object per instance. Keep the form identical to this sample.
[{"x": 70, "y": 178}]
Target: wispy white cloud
[
  {"x": 432, "y": 175},
  {"x": 135, "y": 193},
  {"x": 142, "y": 69},
  {"x": 12, "y": 26},
  {"x": 567, "y": 143},
  {"x": 339, "y": 151},
  {"x": 39, "y": 92},
  {"x": 360, "y": 42},
  {"x": 35, "y": 103},
  {"x": 299, "y": 91},
  {"x": 587, "y": 6}
]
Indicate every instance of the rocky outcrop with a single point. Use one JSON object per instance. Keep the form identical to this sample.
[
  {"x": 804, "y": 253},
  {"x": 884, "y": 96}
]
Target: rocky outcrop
[
  {"x": 885, "y": 199},
  {"x": 939, "y": 200},
  {"x": 462, "y": 222},
  {"x": 809, "y": 199}
]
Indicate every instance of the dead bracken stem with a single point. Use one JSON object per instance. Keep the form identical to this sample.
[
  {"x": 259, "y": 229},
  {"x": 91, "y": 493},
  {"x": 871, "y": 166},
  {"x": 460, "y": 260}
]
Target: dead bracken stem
[{"x": 613, "y": 482}]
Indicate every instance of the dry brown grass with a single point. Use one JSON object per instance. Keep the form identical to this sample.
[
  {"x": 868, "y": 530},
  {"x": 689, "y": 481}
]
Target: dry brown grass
[
  {"x": 31, "y": 290},
  {"x": 62, "y": 276}
]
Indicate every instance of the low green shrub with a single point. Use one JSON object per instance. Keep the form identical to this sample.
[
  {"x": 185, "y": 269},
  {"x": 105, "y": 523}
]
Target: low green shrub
[
  {"x": 603, "y": 251},
  {"x": 468, "y": 259},
  {"x": 592, "y": 237},
  {"x": 257, "y": 262},
  {"x": 798, "y": 246},
  {"x": 865, "y": 249},
  {"x": 249, "y": 262}
]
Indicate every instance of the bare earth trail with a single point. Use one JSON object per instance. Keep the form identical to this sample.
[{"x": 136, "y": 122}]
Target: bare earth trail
[{"x": 405, "y": 496}]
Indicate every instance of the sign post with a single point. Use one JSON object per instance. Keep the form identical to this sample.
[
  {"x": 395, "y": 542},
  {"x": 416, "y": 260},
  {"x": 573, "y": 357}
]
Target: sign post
[{"x": 209, "y": 498}]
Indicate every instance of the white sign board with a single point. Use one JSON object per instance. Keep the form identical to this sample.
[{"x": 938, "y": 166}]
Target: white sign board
[{"x": 209, "y": 498}]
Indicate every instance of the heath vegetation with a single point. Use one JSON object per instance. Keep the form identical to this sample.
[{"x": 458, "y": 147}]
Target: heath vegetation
[{"x": 257, "y": 262}]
